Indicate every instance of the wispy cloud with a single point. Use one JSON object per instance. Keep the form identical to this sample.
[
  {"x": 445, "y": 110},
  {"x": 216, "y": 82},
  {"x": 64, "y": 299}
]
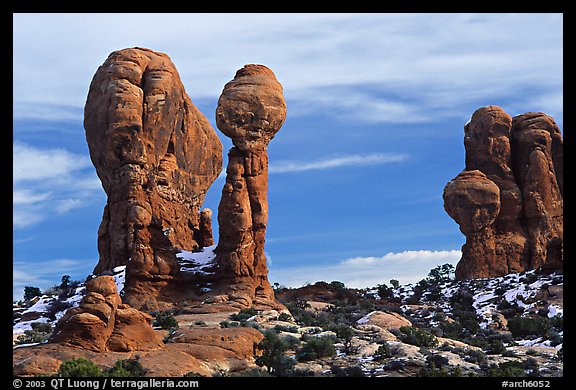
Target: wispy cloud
[
  {"x": 337, "y": 162},
  {"x": 48, "y": 182},
  {"x": 402, "y": 67},
  {"x": 44, "y": 274},
  {"x": 360, "y": 272}
]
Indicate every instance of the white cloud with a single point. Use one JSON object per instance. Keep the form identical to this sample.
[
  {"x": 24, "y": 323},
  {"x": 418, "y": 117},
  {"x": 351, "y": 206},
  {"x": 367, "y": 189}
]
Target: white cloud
[
  {"x": 428, "y": 65},
  {"x": 44, "y": 274},
  {"x": 32, "y": 164},
  {"x": 344, "y": 161},
  {"x": 49, "y": 181},
  {"x": 361, "y": 272}
]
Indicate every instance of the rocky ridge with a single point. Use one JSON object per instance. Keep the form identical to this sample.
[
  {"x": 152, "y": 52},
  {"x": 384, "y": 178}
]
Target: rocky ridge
[{"x": 476, "y": 325}]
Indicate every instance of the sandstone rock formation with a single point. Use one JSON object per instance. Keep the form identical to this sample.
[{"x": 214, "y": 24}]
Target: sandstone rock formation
[
  {"x": 103, "y": 323},
  {"x": 156, "y": 156},
  {"x": 250, "y": 110},
  {"x": 508, "y": 200}
]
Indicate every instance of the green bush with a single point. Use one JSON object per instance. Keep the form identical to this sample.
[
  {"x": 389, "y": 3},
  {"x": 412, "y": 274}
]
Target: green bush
[
  {"x": 126, "y": 368},
  {"x": 244, "y": 314},
  {"x": 192, "y": 374},
  {"x": 316, "y": 347},
  {"x": 475, "y": 356},
  {"x": 345, "y": 333},
  {"x": 229, "y": 324},
  {"x": 284, "y": 328},
  {"x": 507, "y": 369},
  {"x": 529, "y": 326},
  {"x": 384, "y": 291},
  {"x": 273, "y": 355},
  {"x": 79, "y": 367},
  {"x": 165, "y": 320},
  {"x": 417, "y": 336},
  {"x": 31, "y": 292},
  {"x": 284, "y": 317},
  {"x": 496, "y": 347},
  {"x": 38, "y": 334},
  {"x": 383, "y": 352}
]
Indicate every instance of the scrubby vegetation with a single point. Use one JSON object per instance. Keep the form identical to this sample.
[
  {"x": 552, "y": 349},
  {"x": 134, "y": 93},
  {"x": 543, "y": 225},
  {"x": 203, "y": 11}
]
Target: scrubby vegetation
[{"x": 165, "y": 320}]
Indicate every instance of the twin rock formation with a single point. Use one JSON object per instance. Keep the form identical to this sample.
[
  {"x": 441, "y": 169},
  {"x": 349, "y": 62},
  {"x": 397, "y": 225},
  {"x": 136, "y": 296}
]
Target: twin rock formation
[
  {"x": 509, "y": 199},
  {"x": 156, "y": 155}
]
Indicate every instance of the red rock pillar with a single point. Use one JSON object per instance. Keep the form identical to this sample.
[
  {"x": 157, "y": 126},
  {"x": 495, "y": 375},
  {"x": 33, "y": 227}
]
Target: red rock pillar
[{"x": 250, "y": 110}]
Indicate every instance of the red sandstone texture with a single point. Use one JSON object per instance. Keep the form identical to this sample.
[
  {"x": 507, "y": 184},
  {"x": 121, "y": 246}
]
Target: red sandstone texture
[
  {"x": 156, "y": 156},
  {"x": 509, "y": 199},
  {"x": 250, "y": 110}
]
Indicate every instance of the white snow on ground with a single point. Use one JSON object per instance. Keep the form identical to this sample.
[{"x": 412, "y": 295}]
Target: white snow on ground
[
  {"x": 195, "y": 261},
  {"x": 43, "y": 307},
  {"x": 364, "y": 320},
  {"x": 554, "y": 310},
  {"x": 120, "y": 277}
]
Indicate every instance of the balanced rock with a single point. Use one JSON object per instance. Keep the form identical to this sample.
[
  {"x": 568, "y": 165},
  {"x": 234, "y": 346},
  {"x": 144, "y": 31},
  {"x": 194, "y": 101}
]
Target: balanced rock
[
  {"x": 102, "y": 323},
  {"x": 250, "y": 111},
  {"x": 508, "y": 200},
  {"x": 156, "y": 155}
]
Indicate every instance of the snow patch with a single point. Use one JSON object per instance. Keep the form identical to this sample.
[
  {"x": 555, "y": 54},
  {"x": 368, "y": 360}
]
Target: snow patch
[{"x": 196, "y": 262}]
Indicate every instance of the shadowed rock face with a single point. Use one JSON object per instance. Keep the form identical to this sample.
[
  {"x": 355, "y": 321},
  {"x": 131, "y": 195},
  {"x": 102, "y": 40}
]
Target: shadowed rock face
[
  {"x": 250, "y": 110},
  {"x": 156, "y": 156},
  {"x": 518, "y": 227}
]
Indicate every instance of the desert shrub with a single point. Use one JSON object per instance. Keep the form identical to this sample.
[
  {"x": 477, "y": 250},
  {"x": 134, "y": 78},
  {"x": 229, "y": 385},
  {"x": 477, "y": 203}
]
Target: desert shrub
[
  {"x": 384, "y": 291},
  {"x": 496, "y": 347},
  {"x": 126, "y": 368},
  {"x": 192, "y": 374},
  {"x": 417, "y": 336},
  {"x": 441, "y": 273},
  {"x": 38, "y": 334},
  {"x": 273, "y": 355},
  {"x": 284, "y": 317},
  {"x": 345, "y": 333},
  {"x": 338, "y": 285},
  {"x": 509, "y": 353},
  {"x": 438, "y": 361},
  {"x": 316, "y": 347},
  {"x": 529, "y": 326},
  {"x": 56, "y": 306},
  {"x": 31, "y": 292},
  {"x": 229, "y": 324},
  {"x": 475, "y": 356},
  {"x": 79, "y": 367},
  {"x": 244, "y": 314},
  {"x": 507, "y": 369},
  {"x": 352, "y": 371},
  {"x": 165, "y": 320},
  {"x": 42, "y": 327},
  {"x": 432, "y": 371},
  {"x": 383, "y": 352},
  {"x": 284, "y": 328},
  {"x": 254, "y": 372},
  {"x": 199, "y": 323}
]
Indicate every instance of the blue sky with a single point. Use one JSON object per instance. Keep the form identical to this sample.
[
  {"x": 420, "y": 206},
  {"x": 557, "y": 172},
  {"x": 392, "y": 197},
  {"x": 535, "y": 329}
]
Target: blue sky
[{"x": 376, "y": 109}]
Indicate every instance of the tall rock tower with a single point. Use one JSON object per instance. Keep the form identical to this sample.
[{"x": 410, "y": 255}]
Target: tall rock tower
[
  {"x": 156, "y": 156},
  {"x": 250, "y": 111}
]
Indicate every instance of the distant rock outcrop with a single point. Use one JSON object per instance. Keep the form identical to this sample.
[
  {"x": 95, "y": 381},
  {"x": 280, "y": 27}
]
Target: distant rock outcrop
[
  {"x": 156, "y": 155},
  {"x": 250, "y": 110},
  {"x": 508, "y": 201},
  {"x": 102, "y": 323}
]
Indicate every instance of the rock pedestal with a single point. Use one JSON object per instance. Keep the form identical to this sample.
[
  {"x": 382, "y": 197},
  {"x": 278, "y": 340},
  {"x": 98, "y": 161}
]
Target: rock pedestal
[{"x": 250, "y": 110}]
